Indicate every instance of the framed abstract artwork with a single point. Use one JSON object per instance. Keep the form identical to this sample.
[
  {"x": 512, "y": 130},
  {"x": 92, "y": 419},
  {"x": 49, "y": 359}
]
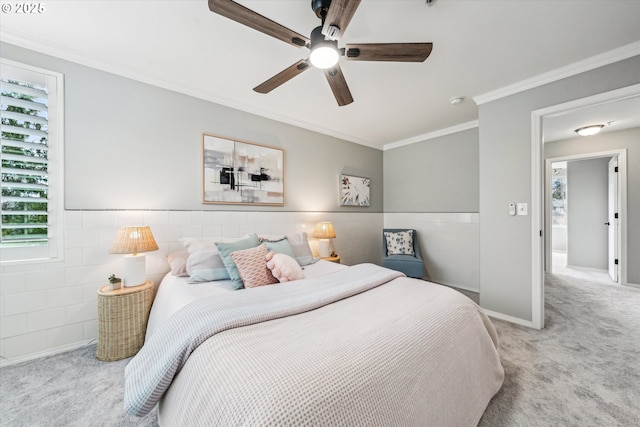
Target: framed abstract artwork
[
  {"x": 354, "y": 190},
  {"x": 237, "y": 172}
]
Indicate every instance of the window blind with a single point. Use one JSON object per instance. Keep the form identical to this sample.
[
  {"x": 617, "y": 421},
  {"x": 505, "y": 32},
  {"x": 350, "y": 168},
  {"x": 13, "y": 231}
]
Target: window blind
[{"x": 25, "y": 163}]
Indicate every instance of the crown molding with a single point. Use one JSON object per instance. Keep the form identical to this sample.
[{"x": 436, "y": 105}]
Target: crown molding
[
  {"x": 68, "y": 54},
  {"x": 588, "y": 64},
  {"x": 431, "y": 135}
]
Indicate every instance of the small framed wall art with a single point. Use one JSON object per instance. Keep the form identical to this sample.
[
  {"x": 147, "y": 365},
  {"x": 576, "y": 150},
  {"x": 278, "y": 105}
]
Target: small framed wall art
[
  {"x": 354, "y": 190},
  {"x": 237, "y": 172}
]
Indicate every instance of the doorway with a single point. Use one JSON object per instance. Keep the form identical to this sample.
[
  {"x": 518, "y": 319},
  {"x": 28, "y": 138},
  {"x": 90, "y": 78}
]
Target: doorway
[
  {"x": 540, "y": 250},
  {"x": 583, "y": 237}
]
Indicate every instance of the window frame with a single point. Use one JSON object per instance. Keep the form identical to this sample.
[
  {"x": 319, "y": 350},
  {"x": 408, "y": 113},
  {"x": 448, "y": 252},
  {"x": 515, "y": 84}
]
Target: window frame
[{"x": 53, "y": 249}]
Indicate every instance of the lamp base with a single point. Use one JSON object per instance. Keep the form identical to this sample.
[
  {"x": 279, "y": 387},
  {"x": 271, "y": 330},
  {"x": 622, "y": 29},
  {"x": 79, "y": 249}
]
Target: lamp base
[
  {"x": 324, "y": 248},
  {"x": 134, "y": 270}
]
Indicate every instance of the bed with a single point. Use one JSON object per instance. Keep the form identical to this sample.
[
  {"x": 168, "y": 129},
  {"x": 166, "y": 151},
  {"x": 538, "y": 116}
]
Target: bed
[{"x": 360, "y": 345}]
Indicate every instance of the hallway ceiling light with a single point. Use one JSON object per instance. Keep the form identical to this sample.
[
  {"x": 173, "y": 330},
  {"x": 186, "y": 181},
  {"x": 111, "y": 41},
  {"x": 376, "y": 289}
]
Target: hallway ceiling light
[{"x": 589, "y": 130}]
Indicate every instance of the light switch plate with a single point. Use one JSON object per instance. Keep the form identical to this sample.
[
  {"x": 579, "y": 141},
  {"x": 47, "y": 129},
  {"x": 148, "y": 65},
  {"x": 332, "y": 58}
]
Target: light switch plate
[
  {"x": 522, "y": 208},
  {"x": 512, "y": 209}
]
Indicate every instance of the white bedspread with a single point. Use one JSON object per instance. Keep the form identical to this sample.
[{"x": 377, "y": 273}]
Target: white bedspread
[{"x": 406, "y": 353}]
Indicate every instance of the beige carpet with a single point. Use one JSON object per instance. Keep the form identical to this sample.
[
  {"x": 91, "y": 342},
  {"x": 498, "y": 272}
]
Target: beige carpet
[{"x": 582, "y": 370}]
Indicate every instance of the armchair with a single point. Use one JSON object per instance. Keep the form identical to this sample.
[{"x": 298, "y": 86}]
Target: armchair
[{"x": 411, "y": 265}]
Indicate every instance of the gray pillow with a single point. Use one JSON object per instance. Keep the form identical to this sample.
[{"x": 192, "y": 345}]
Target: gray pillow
[
  {"x": 301, "y": 249},
  {"x": 206, "y": 266}
]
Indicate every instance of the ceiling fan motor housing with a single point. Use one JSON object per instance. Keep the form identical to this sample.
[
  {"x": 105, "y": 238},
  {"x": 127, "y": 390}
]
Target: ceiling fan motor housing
[
  {"x": 320, "y": 7},
  {"x": 317, "y": 37}
]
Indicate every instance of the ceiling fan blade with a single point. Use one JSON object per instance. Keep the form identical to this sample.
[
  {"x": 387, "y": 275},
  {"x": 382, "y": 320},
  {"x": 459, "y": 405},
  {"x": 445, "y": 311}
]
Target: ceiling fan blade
[
  {"x": 339, "y": 15},
  {"x": 398, "y": 52},
  {"x": 338, "y": 85},
  {"x": 251, "y": 19},
  {"x": 283, "y": 76}
]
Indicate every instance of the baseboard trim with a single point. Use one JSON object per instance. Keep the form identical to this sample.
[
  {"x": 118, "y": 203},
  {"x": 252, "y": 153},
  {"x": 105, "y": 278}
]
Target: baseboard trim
[
  {"x": 581, "y": 268},
  {"x": 4, "y": 361},
  {"x": 464, "y": 288},
  {"x": 451, "y": 285},
  {"x": 510, "y": 319}
]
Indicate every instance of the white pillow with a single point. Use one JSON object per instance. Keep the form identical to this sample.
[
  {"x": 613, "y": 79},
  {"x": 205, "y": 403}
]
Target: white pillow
[{"x": 199, "y": 244}]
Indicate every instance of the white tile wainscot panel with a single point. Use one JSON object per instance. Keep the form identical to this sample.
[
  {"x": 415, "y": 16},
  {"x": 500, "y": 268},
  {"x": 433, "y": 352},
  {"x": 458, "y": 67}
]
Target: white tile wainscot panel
[
  {"x": 46, "y": 308},
  {"x": 449, "y": 243}
]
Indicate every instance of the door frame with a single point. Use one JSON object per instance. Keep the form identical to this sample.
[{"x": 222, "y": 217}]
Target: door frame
[
  {"x": 537, "y": 194},
  {"x": 613, "y": 209},
  {"x": 621, "y": 155}
]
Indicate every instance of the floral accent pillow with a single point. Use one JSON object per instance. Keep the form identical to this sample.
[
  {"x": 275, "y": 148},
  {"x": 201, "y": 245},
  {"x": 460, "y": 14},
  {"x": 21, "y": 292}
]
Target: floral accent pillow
[{"x": 399, "y": 242}]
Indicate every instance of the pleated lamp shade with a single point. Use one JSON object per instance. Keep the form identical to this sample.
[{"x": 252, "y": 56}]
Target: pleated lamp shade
[
  {"x": 324, "y": 232},
  {"x": 132, "y": 241}
]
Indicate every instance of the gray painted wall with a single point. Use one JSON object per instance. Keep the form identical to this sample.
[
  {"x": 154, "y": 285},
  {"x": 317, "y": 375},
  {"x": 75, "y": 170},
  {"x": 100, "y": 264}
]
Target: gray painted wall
[
  {"x": 629, "y": 140},
  {"x": 505, "y": 177},
  {"x": 432, "y": 186},
  {"x": 130, "y": 145},
  {"x": 587, "y": 196},
  {"x": 437, "y": 175}
]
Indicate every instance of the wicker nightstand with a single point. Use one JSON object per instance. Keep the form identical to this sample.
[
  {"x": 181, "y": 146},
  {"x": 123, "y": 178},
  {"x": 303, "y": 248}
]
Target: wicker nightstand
[
  {"x": 122, "y": 320},
  {"x": 335, "y": 259}
]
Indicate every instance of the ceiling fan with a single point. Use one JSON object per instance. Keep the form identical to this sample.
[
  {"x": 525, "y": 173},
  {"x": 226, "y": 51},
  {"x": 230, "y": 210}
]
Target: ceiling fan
[{"x": 323, "y": 43}]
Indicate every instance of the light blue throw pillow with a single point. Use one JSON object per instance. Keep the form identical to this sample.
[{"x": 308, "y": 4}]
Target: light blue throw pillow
[
  {"x": 281, "y": 247},
  {"x": 226, "y": 249}
]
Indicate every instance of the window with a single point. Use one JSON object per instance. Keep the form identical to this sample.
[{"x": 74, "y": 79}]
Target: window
[
  {"x": 31, "y": 114},
  {"x": 559, "y": 193}
]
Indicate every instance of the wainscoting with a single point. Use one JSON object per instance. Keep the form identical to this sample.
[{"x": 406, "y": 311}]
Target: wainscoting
[
  {"x": 49, "y": 307},
  {"x": 450, "y": 245}
]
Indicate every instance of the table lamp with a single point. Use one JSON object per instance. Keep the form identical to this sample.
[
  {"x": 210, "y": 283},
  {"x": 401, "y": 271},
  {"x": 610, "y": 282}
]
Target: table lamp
[
  {"x": 132, "y": 241},
  {"x": 324, "y": 232}
]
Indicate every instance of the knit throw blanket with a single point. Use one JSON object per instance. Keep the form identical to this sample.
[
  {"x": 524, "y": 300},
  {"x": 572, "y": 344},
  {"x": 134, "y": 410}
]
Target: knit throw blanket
[{"x": 150, "y": 373}]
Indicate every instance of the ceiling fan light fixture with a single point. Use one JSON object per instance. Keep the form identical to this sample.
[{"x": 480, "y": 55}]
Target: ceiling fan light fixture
[
  {"x": 324, "y": 55},
  {"x": 589, "y": 130}
]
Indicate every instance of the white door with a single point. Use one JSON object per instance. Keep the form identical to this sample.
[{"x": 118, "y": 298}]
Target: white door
[{"x": 612, "y": 222}]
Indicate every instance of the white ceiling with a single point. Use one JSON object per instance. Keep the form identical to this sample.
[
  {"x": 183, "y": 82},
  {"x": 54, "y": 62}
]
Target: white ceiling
[
  {"x": 480, "y": 47},
  {"x": 616, "y": 115}
]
